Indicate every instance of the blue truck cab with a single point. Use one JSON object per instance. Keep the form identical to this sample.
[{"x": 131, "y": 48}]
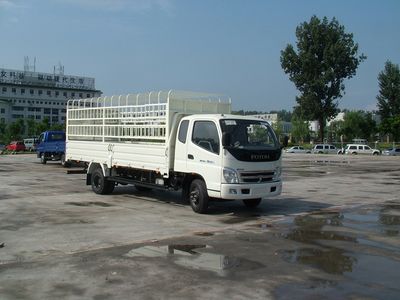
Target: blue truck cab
[{"x": 51, "y": 146}]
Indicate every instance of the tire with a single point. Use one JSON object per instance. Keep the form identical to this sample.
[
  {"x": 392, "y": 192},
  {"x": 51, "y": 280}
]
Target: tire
[
  {"x": 100, "y": 184},
  {"x": 43, "y": 159},
  {"x": 375, "y": 153},
  {"x": 64, "y": 162},
  {"x": 252, "y": 203},
  {"x": 354, "y": 153},
  {"x": 198, "y": 197},
  {"x": 141, "y": 188}
]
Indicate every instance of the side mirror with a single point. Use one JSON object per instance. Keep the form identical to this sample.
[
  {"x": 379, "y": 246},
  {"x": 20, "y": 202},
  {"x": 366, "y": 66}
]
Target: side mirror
[{"x": 226, "y": 139}]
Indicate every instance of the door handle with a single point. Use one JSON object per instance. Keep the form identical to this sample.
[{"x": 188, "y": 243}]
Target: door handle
[{"x": 190, "y": 156}]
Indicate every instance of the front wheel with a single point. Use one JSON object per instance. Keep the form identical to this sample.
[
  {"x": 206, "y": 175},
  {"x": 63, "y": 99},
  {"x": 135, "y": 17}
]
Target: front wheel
[
  {"x": 198, "y": 196},
  {"x": 43, "y": 159},
  {"x": 100, "y": 184},
  {"x": 251, "y": 203}
]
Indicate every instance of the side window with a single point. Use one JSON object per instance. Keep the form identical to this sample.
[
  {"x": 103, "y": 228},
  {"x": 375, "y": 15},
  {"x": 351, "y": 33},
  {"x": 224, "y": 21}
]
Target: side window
[
  {"x": 319, "y": 147},
  {"x": 360, "y": 147},
  {"x": 205, "y": 135},
  {"x": 332, "y": 147},
  {"x": 183, "y": 131},
  {"x": 41, "y": 138}
]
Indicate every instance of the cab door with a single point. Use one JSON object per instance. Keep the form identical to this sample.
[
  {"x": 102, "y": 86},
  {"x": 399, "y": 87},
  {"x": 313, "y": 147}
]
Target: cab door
[
  {"x": 180, "y": 147},
  {"x": 204, "y": 154}
]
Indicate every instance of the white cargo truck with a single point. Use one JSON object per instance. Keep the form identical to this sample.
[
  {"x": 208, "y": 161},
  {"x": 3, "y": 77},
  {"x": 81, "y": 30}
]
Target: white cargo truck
[{"x": 174, "y": 140}]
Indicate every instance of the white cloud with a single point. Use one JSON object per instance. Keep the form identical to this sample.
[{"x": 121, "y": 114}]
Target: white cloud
[
  {"x": 137, "y": 6},
  {"x": 6, "y": 4}
]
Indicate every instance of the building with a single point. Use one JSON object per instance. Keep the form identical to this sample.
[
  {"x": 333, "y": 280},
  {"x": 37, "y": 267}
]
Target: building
[
  {"x": 37, "y": 95},
  {"x": 273, "y": 119}
]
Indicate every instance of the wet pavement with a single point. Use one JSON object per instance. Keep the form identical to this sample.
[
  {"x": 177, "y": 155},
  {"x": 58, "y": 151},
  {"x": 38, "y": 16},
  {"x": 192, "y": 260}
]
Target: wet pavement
[{"x": 333, "y": 234}]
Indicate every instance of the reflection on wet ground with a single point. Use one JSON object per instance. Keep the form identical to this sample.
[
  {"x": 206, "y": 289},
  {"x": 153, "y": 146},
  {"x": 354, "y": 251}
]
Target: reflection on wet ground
[
  {"x": 361, "y": 246},
  {"x": 196, "y": 257}
]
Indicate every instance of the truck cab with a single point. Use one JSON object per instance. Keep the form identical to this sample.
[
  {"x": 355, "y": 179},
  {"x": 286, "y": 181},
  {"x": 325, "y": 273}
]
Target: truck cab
[
  {"x": 51, "y": 146},
  {"x": 236, "y": 157}
]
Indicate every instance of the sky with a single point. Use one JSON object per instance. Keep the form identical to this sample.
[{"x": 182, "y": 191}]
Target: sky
[{"x": 230, "y": 47}]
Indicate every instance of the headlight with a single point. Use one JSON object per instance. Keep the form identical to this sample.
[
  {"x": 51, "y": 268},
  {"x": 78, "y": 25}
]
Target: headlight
[
  {"x": 230, "y": 176},
  {"x": 277, "y": 173}
]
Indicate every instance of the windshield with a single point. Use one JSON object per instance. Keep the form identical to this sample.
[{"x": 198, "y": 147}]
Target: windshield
[{"x": 248, "y": 134}]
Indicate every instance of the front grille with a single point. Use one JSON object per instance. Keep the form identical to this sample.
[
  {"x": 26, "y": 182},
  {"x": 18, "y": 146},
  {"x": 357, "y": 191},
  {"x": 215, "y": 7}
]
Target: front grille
[{"x": 256, "y": 177}]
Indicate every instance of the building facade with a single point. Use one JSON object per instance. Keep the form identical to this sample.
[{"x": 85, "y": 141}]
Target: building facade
[{"x": 37, "y": 95}]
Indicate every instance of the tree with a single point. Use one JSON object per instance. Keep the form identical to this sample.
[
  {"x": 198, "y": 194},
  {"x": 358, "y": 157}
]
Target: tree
[
  {"x": 326, "y": 55},
  {"x": 300, "y": 129},
  {"x": 16, "y": 129},
  {"x": 389, "y": 99},
  {"x": 358, "y": 124}
]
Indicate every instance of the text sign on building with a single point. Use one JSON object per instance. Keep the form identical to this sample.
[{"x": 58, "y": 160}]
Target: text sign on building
[{"x": 46, "y": 79}]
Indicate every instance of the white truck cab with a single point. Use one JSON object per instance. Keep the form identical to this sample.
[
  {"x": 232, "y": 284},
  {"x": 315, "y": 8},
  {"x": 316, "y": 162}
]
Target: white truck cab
[{"x": 185, "y": 141}]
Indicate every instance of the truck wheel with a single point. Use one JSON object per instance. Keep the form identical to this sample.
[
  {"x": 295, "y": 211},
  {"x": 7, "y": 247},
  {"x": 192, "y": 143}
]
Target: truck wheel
[
  {"x": 198, "y": 197},
  {"x": 100, "y": 184},
  {"x": 43, "y": 159},
  {"x": 251, "y": 203}
]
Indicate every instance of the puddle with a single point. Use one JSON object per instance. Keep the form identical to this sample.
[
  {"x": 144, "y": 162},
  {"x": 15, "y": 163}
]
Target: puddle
[
  {"x": 333, "y": 261},
  {"x": 204, "y": 233},
  {"x": 195, "y": 257},
  {"x": 342, "y": 243},
  {"x": 91, "y": 203}
]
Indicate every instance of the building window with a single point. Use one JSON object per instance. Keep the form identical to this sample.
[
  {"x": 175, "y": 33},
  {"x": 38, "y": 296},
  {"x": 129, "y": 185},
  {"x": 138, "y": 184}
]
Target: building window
[
  {"x": 65, "y": 94},
  {"x": 46, "y": 111},
  {"x": 87, "y": 95},
  {"x": 29, "y": 101},
  {"x": 40, "y": 92},
  {"x": 57, "y": 93},
  {"x": 4, "y": 89},
  {"x": 31, "y": 91},
  {"x": 54, "y": 119},
  {"x": 72, "y": 95},
  {"x": 14, "y": 90},
  {"x": 38, "y": 117},
  {"x": 41, "y": 102},
  {"x": 17, "y": 116},
  {"x": 23, "y": 101},
  {"x": 64, "y": 110},
  {"x": 31, "y": 116},
  {"x": 54, "y": 111},
  {"x": 22, "y": 91},
  {"x": 62, "y": 118},
  {"x": 48, "y": 93},
  {"x": 3, "y": 111},
  {"x": 18, "y": 108},
  {"x": 80, "y": 95}
]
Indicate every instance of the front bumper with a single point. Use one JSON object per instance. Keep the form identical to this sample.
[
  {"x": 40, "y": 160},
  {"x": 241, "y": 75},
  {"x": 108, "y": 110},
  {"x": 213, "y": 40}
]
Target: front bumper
[{"x": 250, "y": 191}]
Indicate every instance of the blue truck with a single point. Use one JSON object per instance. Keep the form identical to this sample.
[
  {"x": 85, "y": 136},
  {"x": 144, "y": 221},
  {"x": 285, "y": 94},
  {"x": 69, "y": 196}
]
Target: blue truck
[{"x": 51, "y": 146}]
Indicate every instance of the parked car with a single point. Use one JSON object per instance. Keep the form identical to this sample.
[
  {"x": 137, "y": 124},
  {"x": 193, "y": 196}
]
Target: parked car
[
  {"x": 31, "y": 143},
  {"x": 392, "y": 152},
  {"x": 16, "y": 146},
  {"x": 361, "y": 149},
  {"x": 297, "y": 149},
  {"x": 324, "y": 148}
]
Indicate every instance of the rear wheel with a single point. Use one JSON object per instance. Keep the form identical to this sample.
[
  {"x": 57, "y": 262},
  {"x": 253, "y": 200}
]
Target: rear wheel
[
  {"x": 198, "y": 196},
  {"x": 251, "y": 203},
  {"x": 100, "y": 184},
  {"x": 43, "y": 158}
]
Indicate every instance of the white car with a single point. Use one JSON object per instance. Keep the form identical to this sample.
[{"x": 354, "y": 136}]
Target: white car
[
  {"x": 324, "y": 148},
  {"x": 297, "y": 149},
  {"x": 361, "y": 149},
  {"x": 392, "y": 151}
]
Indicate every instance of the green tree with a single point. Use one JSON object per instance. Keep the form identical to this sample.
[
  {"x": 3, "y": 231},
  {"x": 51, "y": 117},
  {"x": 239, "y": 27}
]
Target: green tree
[
  {"x": 389, "y": 99},
  {"x": 16, "y": 130},
  {"x": 300, "y": 129},
  {"x": 31, "y": 125},
  {"x": 358, "y": 124},
  {"x": 325, "y": 56}
]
